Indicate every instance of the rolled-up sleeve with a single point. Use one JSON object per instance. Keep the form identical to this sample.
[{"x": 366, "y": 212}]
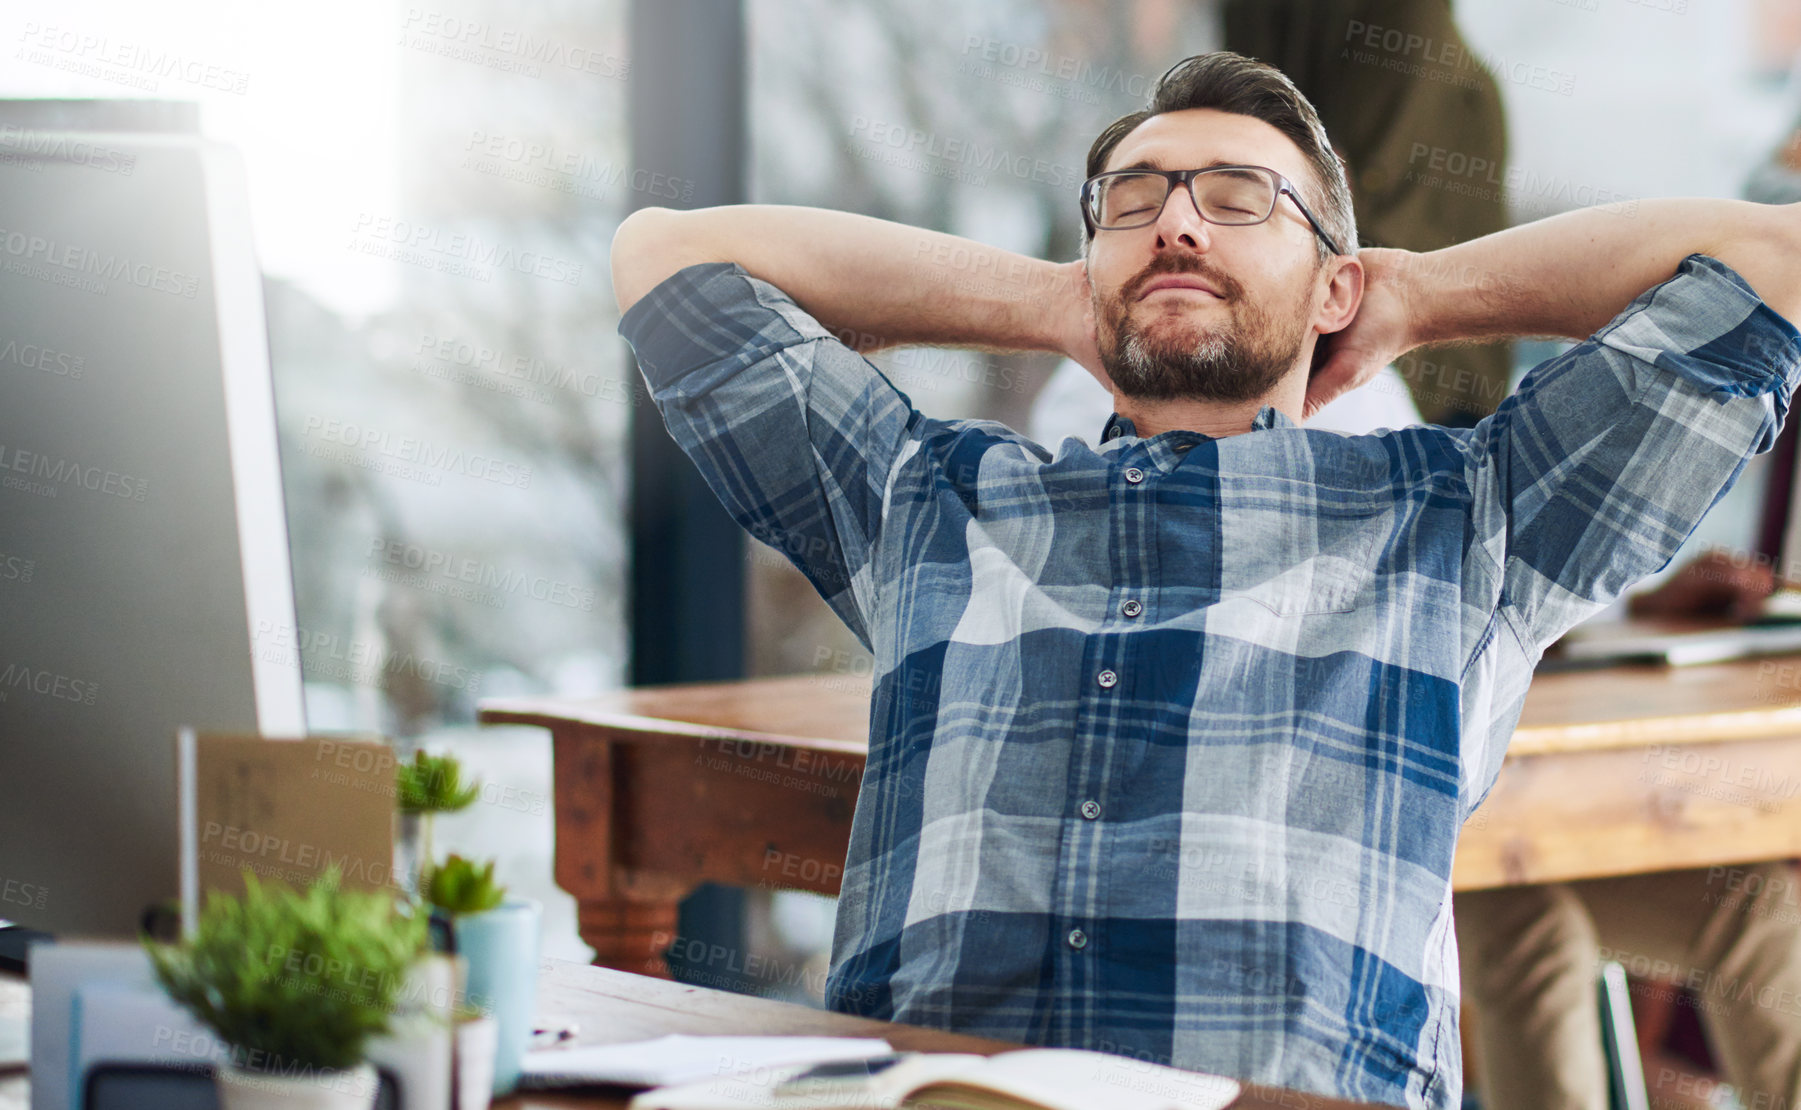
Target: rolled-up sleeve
[
  {"x": 793, "y": 431},
  {"x": 1592, "y": 474}
]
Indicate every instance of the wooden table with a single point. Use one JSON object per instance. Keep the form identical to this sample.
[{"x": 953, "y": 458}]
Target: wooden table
[
  {"x": 753, "y": 783},
  {"x": 613, "y": 1007}
]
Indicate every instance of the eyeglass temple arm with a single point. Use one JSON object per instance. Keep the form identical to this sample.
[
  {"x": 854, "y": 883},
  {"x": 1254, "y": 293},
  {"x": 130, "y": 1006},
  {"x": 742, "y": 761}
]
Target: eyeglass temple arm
[{"x": 1318, "y": 230}]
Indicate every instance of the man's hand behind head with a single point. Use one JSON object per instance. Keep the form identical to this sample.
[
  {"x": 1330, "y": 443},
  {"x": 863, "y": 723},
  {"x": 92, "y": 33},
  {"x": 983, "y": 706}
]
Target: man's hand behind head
[
  {"x": 1073, "y": 308},
  {"x": 1379, "y": 333}
]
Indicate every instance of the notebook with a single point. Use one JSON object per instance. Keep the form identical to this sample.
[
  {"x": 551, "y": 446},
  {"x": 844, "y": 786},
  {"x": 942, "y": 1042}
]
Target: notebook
[{"x": 1030, "y": 1079}]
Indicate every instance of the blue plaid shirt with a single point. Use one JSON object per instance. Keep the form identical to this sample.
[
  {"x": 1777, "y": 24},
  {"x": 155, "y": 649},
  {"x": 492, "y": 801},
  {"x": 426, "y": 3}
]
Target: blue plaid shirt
[{"x": 1171, "y": 739}]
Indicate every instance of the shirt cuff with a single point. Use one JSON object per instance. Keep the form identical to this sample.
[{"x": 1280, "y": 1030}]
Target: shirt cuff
[
  {"x": 676, "y": 327},
  {"x": 1707, "y": 325}
]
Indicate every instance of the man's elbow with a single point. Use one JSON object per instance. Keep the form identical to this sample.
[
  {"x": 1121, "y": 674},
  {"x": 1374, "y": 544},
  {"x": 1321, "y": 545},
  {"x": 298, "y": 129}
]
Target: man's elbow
[
  {"x": 1767, "y": 254},
  {"x": 647, "y": 248}
]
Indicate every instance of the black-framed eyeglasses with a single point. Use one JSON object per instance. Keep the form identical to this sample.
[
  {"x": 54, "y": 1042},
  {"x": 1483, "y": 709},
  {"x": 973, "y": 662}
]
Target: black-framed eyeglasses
[{"x": 1232, "y": 196}]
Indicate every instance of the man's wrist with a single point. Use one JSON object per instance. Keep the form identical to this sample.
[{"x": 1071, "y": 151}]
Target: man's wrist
[
  {"x": 1065, "y": 310},
  {"x": 1405, "y": 275}
]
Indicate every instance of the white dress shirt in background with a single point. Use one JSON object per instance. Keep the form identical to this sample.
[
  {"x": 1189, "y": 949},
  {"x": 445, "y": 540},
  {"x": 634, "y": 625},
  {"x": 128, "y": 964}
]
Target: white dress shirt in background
[{"x": 1072, "y": 403}]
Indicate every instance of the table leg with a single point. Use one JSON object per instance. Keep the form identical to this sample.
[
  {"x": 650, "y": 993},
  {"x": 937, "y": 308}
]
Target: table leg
[
  {"x": 630, "y": 920},
  {"x": 629, "y": 936}
]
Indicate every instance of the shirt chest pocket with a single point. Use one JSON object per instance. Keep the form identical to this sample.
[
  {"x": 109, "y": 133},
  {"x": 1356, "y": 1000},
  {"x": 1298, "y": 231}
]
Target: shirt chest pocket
[{"x": 1296, "y": 563}]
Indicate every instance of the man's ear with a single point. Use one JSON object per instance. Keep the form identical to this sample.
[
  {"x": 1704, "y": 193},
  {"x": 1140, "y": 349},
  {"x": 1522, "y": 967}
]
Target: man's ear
[{"x": 1342, "y": 294}]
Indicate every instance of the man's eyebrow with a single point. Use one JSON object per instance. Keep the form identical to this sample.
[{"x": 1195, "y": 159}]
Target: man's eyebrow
[{"x": 1147, "y": 164}]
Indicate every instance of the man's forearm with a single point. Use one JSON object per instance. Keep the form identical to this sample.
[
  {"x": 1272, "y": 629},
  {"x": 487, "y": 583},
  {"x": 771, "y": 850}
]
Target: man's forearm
[
  {"x": 1570, "y": 274},
  {"x": 884, "y": 283}
]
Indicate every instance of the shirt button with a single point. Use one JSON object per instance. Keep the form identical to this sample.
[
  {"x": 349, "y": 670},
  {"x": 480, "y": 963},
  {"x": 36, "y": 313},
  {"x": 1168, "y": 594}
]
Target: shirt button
[
  {"x": 1107, "y": 679},
  {"x": 1078, "y": 939},
  {"x": 1091, "y": 809},
  {"x": 1134, "y": 475},
  {"x": 1131, "y": 608}
]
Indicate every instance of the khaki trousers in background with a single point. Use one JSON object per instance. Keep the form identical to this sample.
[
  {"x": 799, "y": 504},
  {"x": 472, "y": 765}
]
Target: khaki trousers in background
[{"x": 1731, "y": 934}]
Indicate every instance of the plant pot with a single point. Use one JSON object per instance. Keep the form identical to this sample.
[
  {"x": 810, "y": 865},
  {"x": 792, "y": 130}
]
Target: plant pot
[
  {"x": 476, "y": 1040},
  {"x": 501, "y": 947},
  {"x": 308, "y": 1089},
  {"x": 416, "y": 1051}
]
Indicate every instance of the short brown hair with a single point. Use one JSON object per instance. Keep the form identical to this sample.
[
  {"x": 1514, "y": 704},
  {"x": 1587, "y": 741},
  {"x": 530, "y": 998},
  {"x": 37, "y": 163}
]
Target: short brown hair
[{"x": 1244, "y": 86}]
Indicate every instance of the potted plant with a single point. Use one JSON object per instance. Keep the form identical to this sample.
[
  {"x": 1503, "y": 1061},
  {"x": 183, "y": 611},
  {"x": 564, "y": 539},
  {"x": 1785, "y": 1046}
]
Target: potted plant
[
  {"x": 296, "y": 983},
  {"x": 424, "y": 788},
  {"x": 497, "y": 940}
]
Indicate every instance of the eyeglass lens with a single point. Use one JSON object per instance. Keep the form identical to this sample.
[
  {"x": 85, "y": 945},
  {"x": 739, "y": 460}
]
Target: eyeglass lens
[{"x": 1227, "y": 196}]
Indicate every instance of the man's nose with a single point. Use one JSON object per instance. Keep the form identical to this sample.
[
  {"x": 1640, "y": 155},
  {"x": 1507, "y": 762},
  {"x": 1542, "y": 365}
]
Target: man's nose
[{"x": 1180, "y": 223}]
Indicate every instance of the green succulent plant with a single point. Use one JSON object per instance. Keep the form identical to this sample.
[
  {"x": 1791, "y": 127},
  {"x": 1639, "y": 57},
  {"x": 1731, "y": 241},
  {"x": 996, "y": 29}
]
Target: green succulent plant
[
  {"x": 460, "y": 886},
  {"x": 433, "y": 784},
  {"x": 293, "y": 978},
  {"x": 426, "y": 787}
]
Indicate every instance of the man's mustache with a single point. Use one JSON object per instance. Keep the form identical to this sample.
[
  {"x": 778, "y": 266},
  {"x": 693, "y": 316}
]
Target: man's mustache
[{"x": 1229, "y": 288}]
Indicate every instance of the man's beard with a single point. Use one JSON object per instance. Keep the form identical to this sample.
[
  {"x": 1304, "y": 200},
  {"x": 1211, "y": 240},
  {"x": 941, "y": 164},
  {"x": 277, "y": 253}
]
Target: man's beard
[{"x": 1240, "y": 360}]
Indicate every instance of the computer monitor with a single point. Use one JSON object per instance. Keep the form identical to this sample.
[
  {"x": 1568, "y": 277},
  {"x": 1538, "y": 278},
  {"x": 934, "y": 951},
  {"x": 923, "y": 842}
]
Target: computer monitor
[{"x": 143, "y": 542}]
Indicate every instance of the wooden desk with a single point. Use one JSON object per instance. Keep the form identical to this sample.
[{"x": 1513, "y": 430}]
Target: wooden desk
[
  {"x": 614, "y": 1006},
  {"x": 753, "y": 783}
]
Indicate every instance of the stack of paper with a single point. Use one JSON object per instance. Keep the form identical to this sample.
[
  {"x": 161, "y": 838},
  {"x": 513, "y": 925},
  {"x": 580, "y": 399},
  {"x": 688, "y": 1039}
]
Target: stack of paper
[{"x": 680, "y": 1059}]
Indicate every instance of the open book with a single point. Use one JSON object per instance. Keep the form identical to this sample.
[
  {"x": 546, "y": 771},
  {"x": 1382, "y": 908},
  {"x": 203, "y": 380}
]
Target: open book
[{"x": 1030, "y": 1079}]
